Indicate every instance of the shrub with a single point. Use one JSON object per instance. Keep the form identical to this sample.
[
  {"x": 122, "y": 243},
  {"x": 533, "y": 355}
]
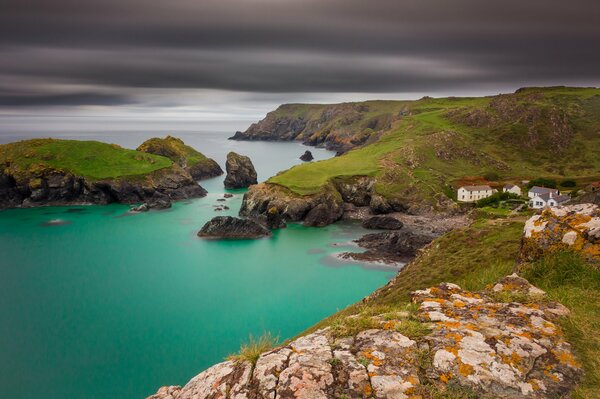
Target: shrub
[
  {"x": 491, "y": 176},
  {"x": 549, "y": 183},
  {"x": 495, "y": 199},
  {"x": 568, "y": 183}
]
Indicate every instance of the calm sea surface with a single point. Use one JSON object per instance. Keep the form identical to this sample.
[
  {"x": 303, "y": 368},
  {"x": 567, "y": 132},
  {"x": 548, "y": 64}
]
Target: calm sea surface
[{"x": 104, "y": 304}]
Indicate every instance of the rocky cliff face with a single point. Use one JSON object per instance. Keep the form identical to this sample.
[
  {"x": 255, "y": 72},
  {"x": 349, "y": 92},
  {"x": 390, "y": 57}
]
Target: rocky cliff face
[
  {"x": 196, "y": 164},
  {"x": 338, "y": 127},
  {"x": 471, "y": 343},
  {"x": 574, "y": 227},
  {"x": 50, "y": 186},
  {"x": 316, "y": 210}
]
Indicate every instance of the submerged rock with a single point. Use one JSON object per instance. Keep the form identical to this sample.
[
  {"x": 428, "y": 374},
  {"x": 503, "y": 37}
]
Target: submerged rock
[
  {"x": 468, "y": 339},
  {"x": 240, "y": 171},
  {"x": 307, "y": 156},
  {"x": 382, "y": 223},
  {"x": 153, "y": 203},
  {"x": 229, "y": 227}
]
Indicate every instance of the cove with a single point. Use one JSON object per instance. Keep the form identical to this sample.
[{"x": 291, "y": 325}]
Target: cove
[{"x": 98, "y": 303}]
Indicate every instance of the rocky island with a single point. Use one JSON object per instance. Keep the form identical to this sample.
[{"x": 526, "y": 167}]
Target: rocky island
[
  {"x": 240, "y": 171},
  {"x": 195, "y": 163},
  {"x": 61, "y": 172}
]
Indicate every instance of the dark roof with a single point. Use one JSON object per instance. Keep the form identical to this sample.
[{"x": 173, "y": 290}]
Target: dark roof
[
  {"x": 477, "y": 188},
  {"x": 509, "y": 186},
  {"x": 542, "y": 190},
  {"x": 561, "y": 198}
]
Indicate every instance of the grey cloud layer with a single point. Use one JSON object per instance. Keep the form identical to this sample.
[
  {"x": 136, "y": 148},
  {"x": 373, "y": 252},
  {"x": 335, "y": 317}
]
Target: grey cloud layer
[{"x": 98, "y": 50}]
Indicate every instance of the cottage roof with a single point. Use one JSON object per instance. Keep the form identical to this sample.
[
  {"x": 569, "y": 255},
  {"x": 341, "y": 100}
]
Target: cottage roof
[
  {"x": 477, "y": 188},
  {"x": 596, "y": 184},
  {"x": 542, "y": 190},
  {"x": 509, "y": 186},
  {"x": 561, "y": 198}
]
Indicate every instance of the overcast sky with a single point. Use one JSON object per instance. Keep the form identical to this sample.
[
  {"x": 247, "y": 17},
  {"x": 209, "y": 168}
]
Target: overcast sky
[{"x": 237, "y": 59}]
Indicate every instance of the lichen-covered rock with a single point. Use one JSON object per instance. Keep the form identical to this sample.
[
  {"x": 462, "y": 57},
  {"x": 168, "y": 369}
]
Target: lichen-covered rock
[
  {"x": 229, "y": 227},
  {"x": 503, "y": 349},
  {"x": 240, "y": 171},
  {"x": 493, "y": 348},
  {"x": 573, "y": 227}
]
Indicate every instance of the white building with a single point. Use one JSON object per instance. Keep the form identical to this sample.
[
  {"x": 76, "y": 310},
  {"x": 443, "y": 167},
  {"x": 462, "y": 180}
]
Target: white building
[
  {"x": 474, "y": 193},
  {"x": 536, "y": 191},
  {"x": 547, "y": 200},
  {"x": 511, "y": 188}
]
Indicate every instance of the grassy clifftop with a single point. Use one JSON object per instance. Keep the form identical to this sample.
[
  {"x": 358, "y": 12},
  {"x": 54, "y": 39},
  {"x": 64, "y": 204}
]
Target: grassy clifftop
[
  {"x": 420, "y": 149},
  {"x": 91, "y": 159}
]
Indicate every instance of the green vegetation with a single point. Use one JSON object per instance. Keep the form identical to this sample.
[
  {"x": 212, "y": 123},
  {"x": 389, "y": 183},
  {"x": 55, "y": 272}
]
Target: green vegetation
[
  {"x": 496, "y": 198},
  {"x": 568, "y": 183},
  {"x": 91, "y": 159},
  {"x": 174, "y": 149},
  {"x": 541, "y": 182},
  {"x": 251, "y": 351},
  {"x": 568, "y": 279},
  {"x": 429, "y": 146}
]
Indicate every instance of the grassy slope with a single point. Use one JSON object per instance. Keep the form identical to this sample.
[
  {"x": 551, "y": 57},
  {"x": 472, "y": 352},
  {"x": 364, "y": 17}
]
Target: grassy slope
[
  {"x": 176, "y": 150},
  {"x": 480, "y": 254},
  {"x": 405, "y": 158},
  {"x": 91, "y": 159}
]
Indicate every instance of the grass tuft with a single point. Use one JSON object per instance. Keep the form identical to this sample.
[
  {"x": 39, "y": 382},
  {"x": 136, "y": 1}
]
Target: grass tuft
[{"x": 251, "y": 350}]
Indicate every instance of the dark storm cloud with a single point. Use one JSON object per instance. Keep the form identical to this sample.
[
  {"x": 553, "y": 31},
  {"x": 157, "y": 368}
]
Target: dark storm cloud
[{"x": 294, "y": 46}]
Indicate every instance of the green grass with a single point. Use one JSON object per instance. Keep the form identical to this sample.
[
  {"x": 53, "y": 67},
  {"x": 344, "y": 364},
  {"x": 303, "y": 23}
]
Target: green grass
[
  {"x": 568, "y": 279},
  {"x": 174, "y": 149},
  {"x": 406, "y": 161},
  {"x": 91, "y": 159},
  {"x": 251, "y": 350}
]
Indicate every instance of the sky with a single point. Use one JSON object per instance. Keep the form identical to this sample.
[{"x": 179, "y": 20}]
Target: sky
[{"x": 235, "y": 60}]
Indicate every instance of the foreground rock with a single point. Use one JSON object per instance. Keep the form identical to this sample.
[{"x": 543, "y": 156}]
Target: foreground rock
[
  {"x": 485, "y": 347},
  {"x": 382, "y": 223},
  {"x": 573, "y": 227},
  {"x": 307, "y": 156},
  {"x": 195, "y": 163},
  {"x": 228, "y": 227},
  {"x": 390, "y": 247},
  {"x": 240, "y": 171},
  {"x": 153, "y": 203}
]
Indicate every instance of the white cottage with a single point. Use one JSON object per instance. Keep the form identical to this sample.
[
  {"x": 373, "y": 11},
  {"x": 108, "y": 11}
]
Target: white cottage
[
  {"x": 511, "y": 188},
  {"x": 474, "y": 193},
  {"x": 548, "y": 200},
  {"x": 536, "y": 191}
]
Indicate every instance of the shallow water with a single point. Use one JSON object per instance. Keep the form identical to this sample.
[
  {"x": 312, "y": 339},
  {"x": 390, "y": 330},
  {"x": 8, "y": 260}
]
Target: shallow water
[{"x": 99, "y": 303}]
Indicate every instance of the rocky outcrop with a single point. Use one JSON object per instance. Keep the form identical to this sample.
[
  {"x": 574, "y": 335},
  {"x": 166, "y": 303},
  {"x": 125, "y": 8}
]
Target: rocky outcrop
[
  {"x": 195, "y": 163},
  {"x": 240, "y": 171},
  {"x": 382, "y": 223},
  {"x": 390, "y": 247},
  {"x": 470, "y": 340},
  {"x": 573, "y": 227},
  {"x": 51, "y": 186},
  {"x": 153, "y": 203},
  {"x": 315, "y": 210},
  {"x": 307, "y": 156},
  {"x": 228, "y": 227}
]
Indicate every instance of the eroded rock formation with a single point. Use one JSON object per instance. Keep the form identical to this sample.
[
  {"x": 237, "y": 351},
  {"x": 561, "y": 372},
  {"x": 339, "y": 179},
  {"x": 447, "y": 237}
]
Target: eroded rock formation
[
  {"x": 229, "y": 227},
  {"x": 240, "y": 171},
  {"x": 307, "y": 156}
]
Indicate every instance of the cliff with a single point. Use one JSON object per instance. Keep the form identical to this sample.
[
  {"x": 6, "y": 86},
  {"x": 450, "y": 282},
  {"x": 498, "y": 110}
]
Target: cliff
[
  {"x": 58, "y": 172},
  {"x": 195, "y": 163},
  {"x": 418, "y": 152}
]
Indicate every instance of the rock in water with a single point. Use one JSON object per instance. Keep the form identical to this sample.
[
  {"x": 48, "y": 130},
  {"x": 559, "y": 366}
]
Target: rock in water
[
  {"x": 382, "y": 223},
  {"x": 307, "y": 156},
  {"x": 390, "y": 247},
  {"x": 229, "y": 227},
  {"x": 240, "y": 171}
]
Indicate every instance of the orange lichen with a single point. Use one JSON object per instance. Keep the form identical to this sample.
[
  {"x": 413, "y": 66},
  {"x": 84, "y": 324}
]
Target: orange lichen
[{"x": 465, "y": 369}]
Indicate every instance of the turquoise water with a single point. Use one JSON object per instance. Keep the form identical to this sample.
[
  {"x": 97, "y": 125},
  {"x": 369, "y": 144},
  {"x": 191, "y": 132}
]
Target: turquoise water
[{"x": 111, "y": 305}]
